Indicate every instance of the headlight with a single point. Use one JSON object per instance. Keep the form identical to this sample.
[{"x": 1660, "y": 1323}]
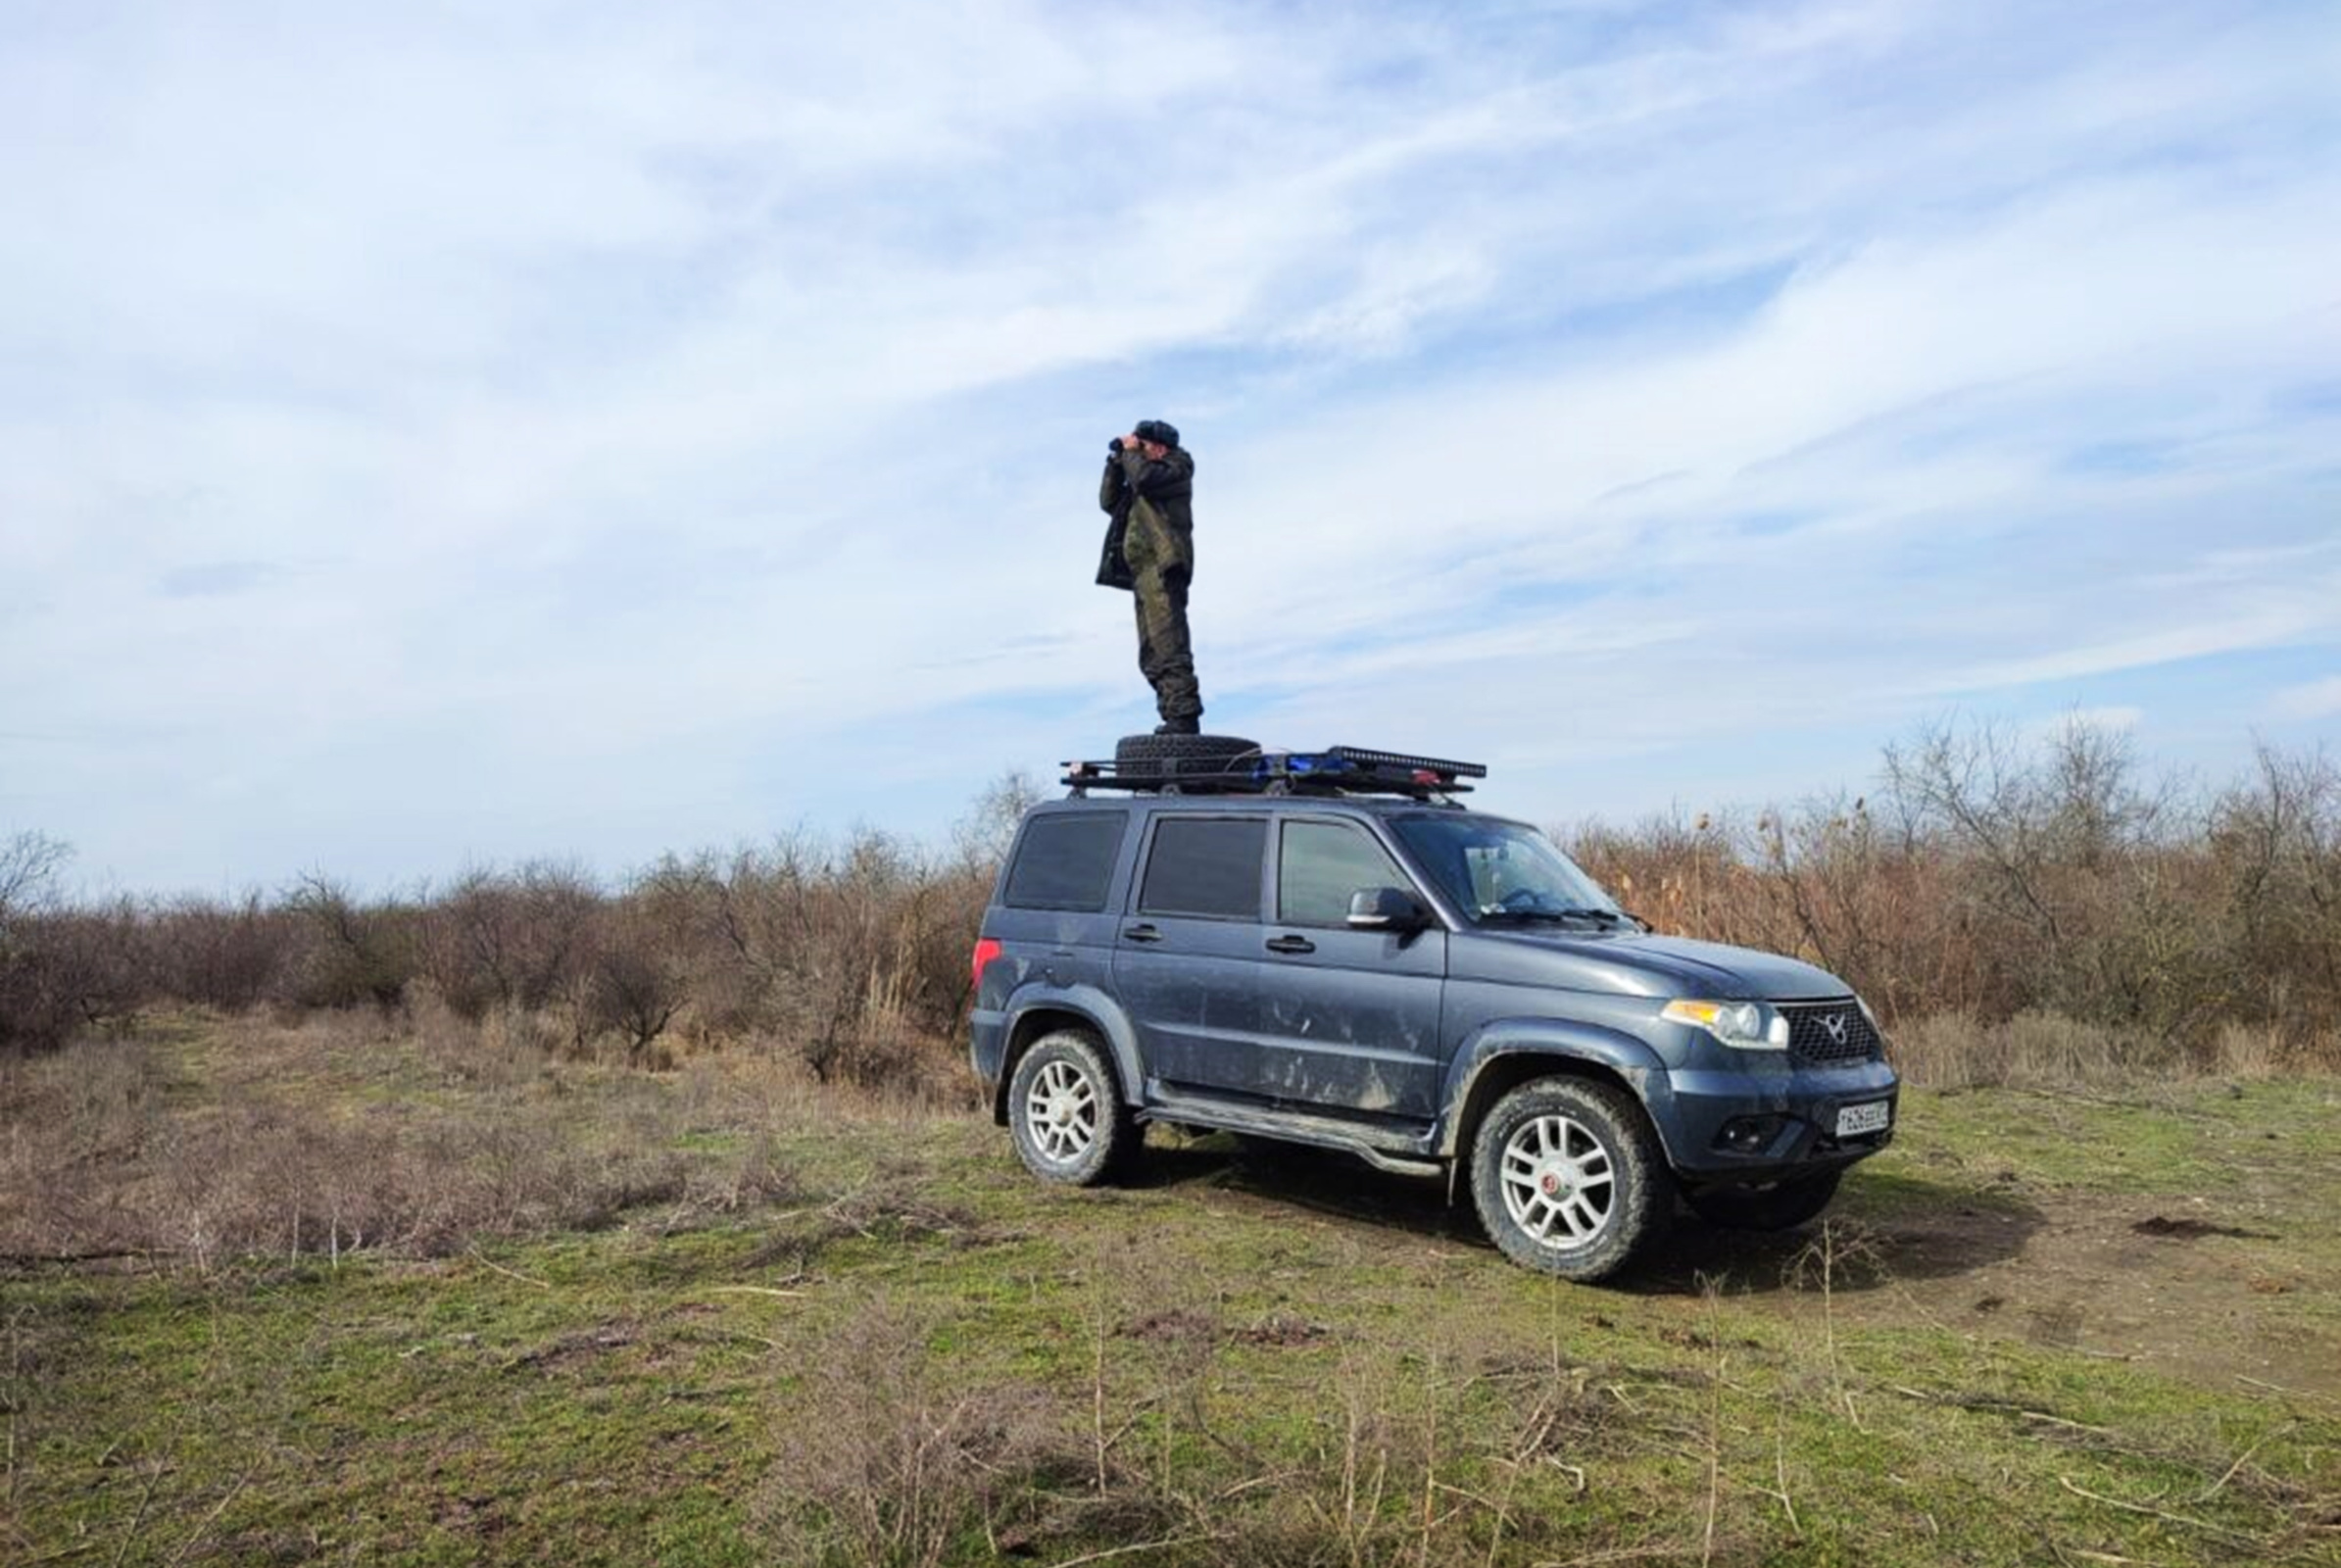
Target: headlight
[{"x": 1746, "y": 1025}]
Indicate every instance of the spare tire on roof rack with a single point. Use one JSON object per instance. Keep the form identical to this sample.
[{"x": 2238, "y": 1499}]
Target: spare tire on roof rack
[{"x": 1183, "y": 755}]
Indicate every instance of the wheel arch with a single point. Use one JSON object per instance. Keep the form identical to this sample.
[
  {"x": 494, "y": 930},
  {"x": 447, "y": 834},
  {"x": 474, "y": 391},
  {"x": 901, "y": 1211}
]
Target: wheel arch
[
  {"x": 1502, "y": 1057},
  {"x": 1033, "y": 1016}
]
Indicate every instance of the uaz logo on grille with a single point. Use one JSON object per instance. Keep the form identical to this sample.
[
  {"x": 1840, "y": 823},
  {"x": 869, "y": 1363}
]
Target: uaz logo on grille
[{"x": 1834, "y": 1024}]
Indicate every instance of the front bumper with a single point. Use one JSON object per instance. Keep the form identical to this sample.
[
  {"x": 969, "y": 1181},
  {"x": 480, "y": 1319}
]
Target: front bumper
[{"x": 1793, "y": 1111}]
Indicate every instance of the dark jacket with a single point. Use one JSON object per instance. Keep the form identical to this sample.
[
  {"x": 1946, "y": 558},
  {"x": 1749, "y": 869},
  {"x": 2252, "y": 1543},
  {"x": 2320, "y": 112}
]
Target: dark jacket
[{"x": 1167, "y": 485}]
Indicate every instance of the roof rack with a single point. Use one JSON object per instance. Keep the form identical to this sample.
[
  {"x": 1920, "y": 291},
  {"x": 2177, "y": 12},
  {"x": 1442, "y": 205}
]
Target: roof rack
[{"x": 1336, "y": 771}]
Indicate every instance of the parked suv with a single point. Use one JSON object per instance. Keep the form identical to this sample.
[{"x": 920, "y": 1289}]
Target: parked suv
[{"x": 1324, "y": 951}]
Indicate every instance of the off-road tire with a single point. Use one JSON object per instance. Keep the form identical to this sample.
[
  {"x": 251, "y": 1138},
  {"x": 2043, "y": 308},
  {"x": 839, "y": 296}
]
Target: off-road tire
[
  {"x": 1182, "y": 755},
  {"x": 1780, "y": 1206},
  {"x": 1628, "y": 1188},
  {"x": 1095, "y": 1138}
]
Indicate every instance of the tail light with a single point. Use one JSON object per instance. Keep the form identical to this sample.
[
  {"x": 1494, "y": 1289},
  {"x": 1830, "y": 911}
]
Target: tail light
[{"x": 985, "y": 950}]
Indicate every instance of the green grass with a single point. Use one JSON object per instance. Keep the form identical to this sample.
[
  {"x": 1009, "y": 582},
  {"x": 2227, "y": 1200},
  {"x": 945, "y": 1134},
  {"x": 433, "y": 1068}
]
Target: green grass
[
  {"x": 2199, "y": 1135},
  {"x": 1288, "y": 1364}
]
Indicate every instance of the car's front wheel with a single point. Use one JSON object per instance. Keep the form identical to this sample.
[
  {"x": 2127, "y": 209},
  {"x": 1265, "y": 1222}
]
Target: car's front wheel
[
  {"x": 1066, "y": 1113},
  {"x": 1782, "y": 1205},
  {"x": 1568, "y": 1179}
]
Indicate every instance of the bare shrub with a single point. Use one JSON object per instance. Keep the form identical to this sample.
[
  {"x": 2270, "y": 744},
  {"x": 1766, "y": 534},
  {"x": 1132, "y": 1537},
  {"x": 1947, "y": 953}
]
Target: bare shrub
[
  {"x": 355, "y": 952},
  {"x": 28, "y": 866},
  {"x": 834, "y": 951},
  {"x": 2279, "y": 837},
  {"x": 1989, "y": 875},
  {"x": 224, "y": 955},
  {"x": 518, "y": 939},
  {"x": 881, "y": 1462},
  {"x": 36, "y": 1013},
  {"x": 2093, "y": 909},
  {"x": 631, "y": 988},
  {"x": 1995, "y": 876}
]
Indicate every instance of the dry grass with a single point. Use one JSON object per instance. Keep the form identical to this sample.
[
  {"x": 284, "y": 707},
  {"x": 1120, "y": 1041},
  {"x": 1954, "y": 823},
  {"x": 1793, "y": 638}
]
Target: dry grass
[
  {"x": 881, "y": 1461},
  {"x": 2043, "y": 1050},
  {"x": 351, "y": 1131},
  {"x": 838, "y": 1328}
]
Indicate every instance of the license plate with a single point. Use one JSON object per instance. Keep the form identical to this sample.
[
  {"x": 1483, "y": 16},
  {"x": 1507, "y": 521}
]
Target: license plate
[{"x": 1854, "y": 1120}]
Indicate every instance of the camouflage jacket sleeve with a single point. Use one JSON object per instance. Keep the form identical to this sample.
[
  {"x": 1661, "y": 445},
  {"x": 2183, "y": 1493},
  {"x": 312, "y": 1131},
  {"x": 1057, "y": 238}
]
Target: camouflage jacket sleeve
[
  {"x": 1169, "y": 477},
  {"x": 1113, "y": 491}
]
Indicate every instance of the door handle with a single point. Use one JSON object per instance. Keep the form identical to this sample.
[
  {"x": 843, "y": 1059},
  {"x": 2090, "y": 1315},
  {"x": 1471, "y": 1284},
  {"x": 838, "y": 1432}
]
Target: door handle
[
  {"x": 1291, "y": 945},
  {"x": 1140, "y": 933}
]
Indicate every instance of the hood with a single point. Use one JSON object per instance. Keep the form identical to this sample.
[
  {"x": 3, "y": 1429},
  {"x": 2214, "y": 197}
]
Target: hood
[{"x": 1635, "y": 964}]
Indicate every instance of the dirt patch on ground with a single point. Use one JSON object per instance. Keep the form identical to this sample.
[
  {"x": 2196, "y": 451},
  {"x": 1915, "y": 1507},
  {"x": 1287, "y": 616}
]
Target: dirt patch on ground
[
  {"x": 576, "y": 1346},
  {"x": 1281, "y": 1329},
  {"x": 1184, "y": 1326},
  {"x": 1176, "y": 1326},
  {"x": 2187, "y": 1230},
  {"x": 2171, "y": 1283},
  {"x": 2191, "y": 1295}
]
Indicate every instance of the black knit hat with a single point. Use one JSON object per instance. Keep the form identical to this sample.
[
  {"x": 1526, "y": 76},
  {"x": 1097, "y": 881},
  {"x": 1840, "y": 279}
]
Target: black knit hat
[{"x": 1160, "y": 431}]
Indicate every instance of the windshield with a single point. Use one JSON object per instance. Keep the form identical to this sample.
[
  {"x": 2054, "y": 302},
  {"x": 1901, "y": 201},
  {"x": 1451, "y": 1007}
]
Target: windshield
[{"x": 1500, "y": 872}]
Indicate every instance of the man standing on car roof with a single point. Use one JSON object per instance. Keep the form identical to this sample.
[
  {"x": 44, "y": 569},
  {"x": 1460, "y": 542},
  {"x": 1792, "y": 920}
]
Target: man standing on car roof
[{"x": 1148, "y": 488}]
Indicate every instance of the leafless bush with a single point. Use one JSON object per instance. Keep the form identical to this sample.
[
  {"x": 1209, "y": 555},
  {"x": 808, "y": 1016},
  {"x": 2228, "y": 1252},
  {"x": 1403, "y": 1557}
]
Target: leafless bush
[
  {"x": 834, "y": 951},
  {"x": 2279, "y": 834},
  {"x": 35, "y": 1011},
  {"x": 226, "y": 956},
  {"x": 881, "y": 1462},
  {"x": 632, "y": 989},
  {"x": 1988, "y": 875},
  {"x": 2093, "y": 905},
  {"x": 354, "y": 952},
  {"x": 504, "y": 940},
  {"x": 1993, "y": 877}
]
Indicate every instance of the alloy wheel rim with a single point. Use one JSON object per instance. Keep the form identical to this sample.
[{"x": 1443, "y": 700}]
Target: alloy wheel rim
[
  {"x": 1061, "y": 1109},
  {"x": 1558, "y": 1182}
]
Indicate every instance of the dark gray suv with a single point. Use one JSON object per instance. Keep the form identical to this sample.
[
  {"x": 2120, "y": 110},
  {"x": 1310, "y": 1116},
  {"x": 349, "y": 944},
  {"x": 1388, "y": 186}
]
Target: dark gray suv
[{"x": 1356, "y": 963}]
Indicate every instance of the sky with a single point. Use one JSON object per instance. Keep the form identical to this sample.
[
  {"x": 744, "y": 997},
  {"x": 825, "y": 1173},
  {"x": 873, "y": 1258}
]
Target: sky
[{"x": 436, "y": 435}]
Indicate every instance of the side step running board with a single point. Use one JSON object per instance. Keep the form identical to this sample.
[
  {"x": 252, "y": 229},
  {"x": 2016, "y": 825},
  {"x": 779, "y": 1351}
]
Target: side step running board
[
  {"x": 1401, "y": 1167},
  {"x": 1385, "y": 1149}
]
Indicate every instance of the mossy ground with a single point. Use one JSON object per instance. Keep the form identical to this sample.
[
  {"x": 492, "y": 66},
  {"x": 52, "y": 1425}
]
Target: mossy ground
[{"x": 923, "y": 1356}]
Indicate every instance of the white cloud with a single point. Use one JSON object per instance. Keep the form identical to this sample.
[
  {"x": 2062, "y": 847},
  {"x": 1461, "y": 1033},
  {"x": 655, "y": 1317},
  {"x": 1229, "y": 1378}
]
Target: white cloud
[
  {"x": 2311, "y": 700},
  {"x": 426, "y": 419}
]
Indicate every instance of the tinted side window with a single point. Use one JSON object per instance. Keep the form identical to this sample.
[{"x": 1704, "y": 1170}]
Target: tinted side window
[
  {"x": 1322, "y": 864},
  {"x": 1209, "y": 866},
  {"x": 1067, "y": 862}
]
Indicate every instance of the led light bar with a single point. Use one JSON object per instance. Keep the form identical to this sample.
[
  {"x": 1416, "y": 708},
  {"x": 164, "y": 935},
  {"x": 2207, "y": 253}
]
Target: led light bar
[{"x": 1366, "y": 758}]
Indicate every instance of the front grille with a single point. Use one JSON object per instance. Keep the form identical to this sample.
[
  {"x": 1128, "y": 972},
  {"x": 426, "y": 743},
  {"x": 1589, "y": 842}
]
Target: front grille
[{"x": 1830, "y": 1031}]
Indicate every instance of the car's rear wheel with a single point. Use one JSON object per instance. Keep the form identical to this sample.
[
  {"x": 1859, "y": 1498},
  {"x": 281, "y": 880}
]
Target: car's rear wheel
[
  {"x": 1065, "y": 1111},
  {"x": 1568, "y": 1179},
  {"x": 1782, "y": 1205}
]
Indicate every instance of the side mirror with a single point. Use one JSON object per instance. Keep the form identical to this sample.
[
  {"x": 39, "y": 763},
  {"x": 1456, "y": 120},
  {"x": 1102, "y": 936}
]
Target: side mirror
[{"x": 1386, "y": 910}]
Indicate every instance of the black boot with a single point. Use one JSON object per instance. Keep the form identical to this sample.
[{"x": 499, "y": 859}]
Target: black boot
[{"x": 1190, "y": 725}]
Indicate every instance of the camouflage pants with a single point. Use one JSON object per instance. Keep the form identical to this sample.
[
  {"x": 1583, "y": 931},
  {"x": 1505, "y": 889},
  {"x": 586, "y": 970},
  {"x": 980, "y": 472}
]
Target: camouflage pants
[{"x": 1163, "y": 561}]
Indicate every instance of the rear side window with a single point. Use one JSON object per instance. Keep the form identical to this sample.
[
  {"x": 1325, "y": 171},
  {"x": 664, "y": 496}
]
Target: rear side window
[
  {"x": 1321, "y": 865},
  {"x": 1065, "y": 861},
  {"x": 1207, "y": 867}
]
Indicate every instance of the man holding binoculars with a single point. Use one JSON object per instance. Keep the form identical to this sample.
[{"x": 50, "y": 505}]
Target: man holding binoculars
[{"x": 1148, "y": 491}]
